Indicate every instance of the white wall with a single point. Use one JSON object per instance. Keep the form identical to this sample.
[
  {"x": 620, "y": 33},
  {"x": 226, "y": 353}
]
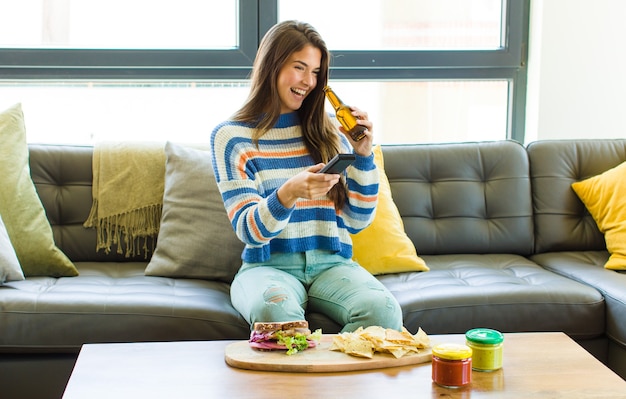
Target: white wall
[{"x": 576, "y": 70}]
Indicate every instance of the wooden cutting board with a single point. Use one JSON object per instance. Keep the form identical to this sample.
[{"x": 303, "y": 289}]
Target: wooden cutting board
[{"x": 315, "y": 360}]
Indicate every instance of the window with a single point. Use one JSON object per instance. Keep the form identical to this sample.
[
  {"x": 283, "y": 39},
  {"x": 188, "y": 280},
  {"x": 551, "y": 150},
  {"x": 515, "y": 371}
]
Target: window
[
  {"x": 425, "y": 70},
  {"x": 403, "y": 24},
  {"x": 154, "y": 24}
]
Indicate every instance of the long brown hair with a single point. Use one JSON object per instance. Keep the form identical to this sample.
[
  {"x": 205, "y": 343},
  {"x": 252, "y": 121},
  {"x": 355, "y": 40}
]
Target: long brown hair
[{"x": 262, "y": 107}]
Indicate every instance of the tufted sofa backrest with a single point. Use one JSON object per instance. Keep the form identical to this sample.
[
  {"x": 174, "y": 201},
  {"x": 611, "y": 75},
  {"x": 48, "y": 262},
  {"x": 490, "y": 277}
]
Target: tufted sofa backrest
[
  {"x": 63, "y": 178},
  {"x": 463, "y": 198},
  {"x": 562, "y": 223},
  {"x": 453, "y": 198}
]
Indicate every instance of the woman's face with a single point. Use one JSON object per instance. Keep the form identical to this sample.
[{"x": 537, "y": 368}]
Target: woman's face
[{"x": 298, "y": 77}]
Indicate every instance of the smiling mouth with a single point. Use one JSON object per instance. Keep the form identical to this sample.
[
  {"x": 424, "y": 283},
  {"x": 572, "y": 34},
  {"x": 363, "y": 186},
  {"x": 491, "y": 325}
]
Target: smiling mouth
[{"x": 299, "y": 92}]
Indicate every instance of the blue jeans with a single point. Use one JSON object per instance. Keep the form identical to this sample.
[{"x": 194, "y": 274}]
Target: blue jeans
[{"x": 289, "y": 284}]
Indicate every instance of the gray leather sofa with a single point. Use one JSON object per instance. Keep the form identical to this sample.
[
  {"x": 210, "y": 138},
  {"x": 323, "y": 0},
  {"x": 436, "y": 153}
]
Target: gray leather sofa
[{"x": 508, "y": 243}]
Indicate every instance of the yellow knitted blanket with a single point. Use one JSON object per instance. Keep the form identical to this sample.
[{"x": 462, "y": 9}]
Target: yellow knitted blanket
[{"x": 128, "y": 184}]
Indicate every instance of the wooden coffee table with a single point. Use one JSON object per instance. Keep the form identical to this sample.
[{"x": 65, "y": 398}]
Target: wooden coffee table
[{"x": 536, "y": 365}]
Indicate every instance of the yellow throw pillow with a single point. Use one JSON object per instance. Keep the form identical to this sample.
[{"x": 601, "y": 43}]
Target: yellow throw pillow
[
  {"x": 604, "y": 197},
  {"x": 21, "y": 209},
  {"x": 383, "y": 247}
]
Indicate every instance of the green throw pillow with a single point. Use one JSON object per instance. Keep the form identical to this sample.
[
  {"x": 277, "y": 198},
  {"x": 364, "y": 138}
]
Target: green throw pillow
[{"x": 21, "y": 209}]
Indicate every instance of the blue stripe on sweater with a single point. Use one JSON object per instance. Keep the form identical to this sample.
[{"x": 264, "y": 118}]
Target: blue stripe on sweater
[
  {"x": 369, "y": 189},
  {"x": 259, "y": 254}
]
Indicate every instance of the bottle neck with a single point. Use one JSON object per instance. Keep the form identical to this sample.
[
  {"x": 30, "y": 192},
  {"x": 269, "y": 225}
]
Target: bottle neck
[{"x": 332, "y": 97}]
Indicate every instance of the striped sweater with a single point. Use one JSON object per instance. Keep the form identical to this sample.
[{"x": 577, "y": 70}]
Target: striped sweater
[{"x": 248, "y": 178}]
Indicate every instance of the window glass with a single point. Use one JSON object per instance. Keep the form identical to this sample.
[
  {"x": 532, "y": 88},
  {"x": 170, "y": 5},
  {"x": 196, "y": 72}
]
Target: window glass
[
  {"x": 403, "y": 112},
  {"x": 430, "y": 112},
  {"x": 119, "y": 24},
  {"x": 89, "y": 112},
  {"x": 401, "y": 24}
]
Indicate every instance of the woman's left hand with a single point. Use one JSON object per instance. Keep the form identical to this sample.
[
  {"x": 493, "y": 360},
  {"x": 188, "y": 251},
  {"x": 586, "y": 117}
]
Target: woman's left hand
[{"x": 362, "y": 147}]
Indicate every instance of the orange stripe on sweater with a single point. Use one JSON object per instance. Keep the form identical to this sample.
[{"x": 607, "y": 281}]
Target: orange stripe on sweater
[
  {"x": 231, "y": 213},
  {"x": 277, "y": 154},
  {"x": 252, "y": 225},
  {"x": 363, "y": 198},
  {"x": 321, "y": 203},
  {"x": 266, "y": 154}
]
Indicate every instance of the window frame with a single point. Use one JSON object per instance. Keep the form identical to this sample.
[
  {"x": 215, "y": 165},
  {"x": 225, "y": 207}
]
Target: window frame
[
  {"x": 138, "y": 64},
  {"x": 509, "y": 62}
]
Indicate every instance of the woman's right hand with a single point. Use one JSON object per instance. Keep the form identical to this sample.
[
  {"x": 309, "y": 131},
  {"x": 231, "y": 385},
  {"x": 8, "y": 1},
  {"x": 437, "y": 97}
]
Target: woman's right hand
[{"x": 307, "y": 184}]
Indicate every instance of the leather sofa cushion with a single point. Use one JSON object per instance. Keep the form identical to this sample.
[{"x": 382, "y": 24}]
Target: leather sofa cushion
[
  {"x": 562, "y": 223},
  {"x": 507, "y": 292},
  {"x": 588, "y": 267},
  {"x": 463, "y": 197},
  {"x": 114, "y": 302}
]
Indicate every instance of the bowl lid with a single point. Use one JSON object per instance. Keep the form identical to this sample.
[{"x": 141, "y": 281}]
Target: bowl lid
[
  {"x": 484, "y": 336},
  {"x": 451, "y": 351}
]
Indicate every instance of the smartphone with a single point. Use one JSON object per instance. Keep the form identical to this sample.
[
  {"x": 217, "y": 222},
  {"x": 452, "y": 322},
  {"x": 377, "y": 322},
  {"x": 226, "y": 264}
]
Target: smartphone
[{"x": 338, "y": 164}]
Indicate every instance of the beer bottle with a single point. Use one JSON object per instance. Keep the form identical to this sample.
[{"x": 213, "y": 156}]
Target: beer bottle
[{"x": 344, "y": 116}]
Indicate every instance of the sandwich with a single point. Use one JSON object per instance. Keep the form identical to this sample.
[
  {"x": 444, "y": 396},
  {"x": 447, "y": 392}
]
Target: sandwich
[{"x": 290, "y": 336}]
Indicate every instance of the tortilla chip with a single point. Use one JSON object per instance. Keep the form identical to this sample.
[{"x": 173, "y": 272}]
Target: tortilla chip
[
  {"x": 399, "y": 337},
  {"x": 366, "y": 342}
]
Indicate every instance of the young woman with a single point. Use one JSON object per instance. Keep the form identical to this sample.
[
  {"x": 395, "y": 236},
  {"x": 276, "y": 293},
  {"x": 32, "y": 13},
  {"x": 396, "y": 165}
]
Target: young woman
[{"x": 295, "y": 222}]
